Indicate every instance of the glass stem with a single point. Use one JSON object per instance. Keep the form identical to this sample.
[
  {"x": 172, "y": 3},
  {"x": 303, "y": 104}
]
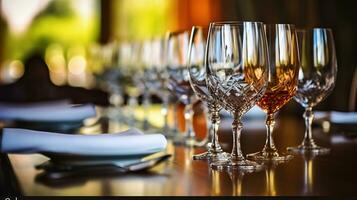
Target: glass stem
[
  {"x": 269, "y": 143},
  {"x": 133, "y": 102},
  {"x": 165, "y": 111},
  {"x": 146, "y": 106},
  {"x": 237, "y": 129},
  {"x": 188, "y": 114},
  {"x": 215, "y": 121},
  {"x": 208, "y": 137},
  {"x": 308, "y": 116},
  {"x": 175, "y": 128}
]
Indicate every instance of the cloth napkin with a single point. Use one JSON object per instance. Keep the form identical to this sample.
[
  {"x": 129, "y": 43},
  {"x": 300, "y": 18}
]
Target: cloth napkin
[
  {"x": 46, "y": 111},
  {"x": 343, "y": 117},
  {"x": 130, "y": 142}
]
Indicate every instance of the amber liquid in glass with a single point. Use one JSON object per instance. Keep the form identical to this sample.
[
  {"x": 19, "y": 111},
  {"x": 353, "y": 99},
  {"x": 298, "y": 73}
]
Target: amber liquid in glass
[{"x": 281, "y": 88}]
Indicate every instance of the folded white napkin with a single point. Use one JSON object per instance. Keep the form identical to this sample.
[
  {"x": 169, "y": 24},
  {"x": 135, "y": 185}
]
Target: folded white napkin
[
  {"x": 130, "y": 142},
  {"x": 343, "y": 117},
  {"x": 255, "y": 113},
  {"x": 47, "y": 111}
]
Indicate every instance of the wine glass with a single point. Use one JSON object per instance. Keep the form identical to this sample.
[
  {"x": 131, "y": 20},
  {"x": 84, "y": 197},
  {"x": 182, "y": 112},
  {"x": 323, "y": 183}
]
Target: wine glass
[
  {"x": 178, "y": 84},
  {"x": 148, "y": 83},
  {"x": 282, "y": 83},
  {"x": 159, "y": 78},
  {"x": 197, "y": 78},
  {"x": 316, "y": 78},
  {"x": 237, "y": 69},
  {"x": 132, "y": 74},
  {"x": 156, "y": 78},
  {"x": 106, "y": 57}
]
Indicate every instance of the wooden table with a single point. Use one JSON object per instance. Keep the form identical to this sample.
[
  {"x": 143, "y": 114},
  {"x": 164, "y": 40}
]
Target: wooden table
[{"x": 332, "y": 174}]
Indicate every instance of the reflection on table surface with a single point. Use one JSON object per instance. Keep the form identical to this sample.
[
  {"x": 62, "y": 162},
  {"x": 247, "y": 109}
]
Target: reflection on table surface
[{"x": 330, "y": 174}]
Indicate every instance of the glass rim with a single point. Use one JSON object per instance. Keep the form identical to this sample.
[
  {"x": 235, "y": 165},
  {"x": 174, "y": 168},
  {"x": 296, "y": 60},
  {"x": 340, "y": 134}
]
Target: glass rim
[
  {"x": 202, "y": 28},
  {"x": 287, "y": 24},
  {"x": 313, "y": 28},
  {"x": 222, "y": 23},
  {"x": 177, "y": 32}
]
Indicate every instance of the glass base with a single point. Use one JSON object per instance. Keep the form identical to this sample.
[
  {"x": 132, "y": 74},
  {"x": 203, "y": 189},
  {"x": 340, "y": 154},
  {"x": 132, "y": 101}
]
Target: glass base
[
  {"x": 171, "y": 133},
  {"x": 168, "y": 135},
  {"x": 269, "y": 156},
  {"x": 232, "y": 164},
  {"x": 213, "y": 156},
  {"x": 203, "y": 143},
  {"x": 186, "y": 141},
  {"x": 309, "y": 149}
]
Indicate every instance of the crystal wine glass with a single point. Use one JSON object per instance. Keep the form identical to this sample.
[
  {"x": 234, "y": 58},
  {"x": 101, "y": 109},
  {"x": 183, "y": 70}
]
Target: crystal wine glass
[
  {"x": 316, "y": 79},
  {"x": 178, "y": 84},
  {"x": 132, "y": 74},
  {"x": 282, "y": 83},
  {"x": 104, "y": 59},
  {"x": 156, "y": 78},
  {"x": 237, "y": 68},
  {"x": 197, "y": 78}
]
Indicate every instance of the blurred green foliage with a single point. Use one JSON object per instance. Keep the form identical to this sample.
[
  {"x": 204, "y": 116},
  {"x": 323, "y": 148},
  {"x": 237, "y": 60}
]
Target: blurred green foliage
[
  {"x": 59, "y": 23},
  {"x": 141, "y": 19}
]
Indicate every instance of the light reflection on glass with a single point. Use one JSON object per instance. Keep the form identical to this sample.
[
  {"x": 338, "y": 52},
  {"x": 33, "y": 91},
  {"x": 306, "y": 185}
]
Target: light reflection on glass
[
  {"x": 321, "y": 53},
  {"x": 249, "y": 45},
  {"x": 188, "y": 158},
  {"x": 237, "y": 179},
  {"x": 282, "y": 56},
  {"x": 308, "y": 174},
  {"x": 215, "y": 182},
  {"x": 270, "y": 181}
]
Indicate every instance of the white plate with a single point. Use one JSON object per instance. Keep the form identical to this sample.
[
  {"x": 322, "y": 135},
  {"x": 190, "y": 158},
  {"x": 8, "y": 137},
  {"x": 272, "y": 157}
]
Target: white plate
[
  {"x": 70, "y": 159},
  {"x": 60, "y": 126}
]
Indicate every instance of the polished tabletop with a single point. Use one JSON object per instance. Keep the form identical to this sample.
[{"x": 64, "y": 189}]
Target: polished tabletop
[{"x": 330, "y": 174}]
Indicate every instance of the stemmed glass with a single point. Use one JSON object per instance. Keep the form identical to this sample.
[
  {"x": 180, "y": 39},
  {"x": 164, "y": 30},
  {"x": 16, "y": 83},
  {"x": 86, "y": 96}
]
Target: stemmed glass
[
  {"x": 237, "y": 69},
  {"x": 106, "y": 57},
  {"x": 147, "y": 78},
  {"x": 197, "y": 78},
  {"x": 177, "y": 48},
  {"x": 282, "y": 82},
  {"x": 316, "y": 79},
  {"x": 132, "y": 74},
  {"x": 156, "y": 78}
]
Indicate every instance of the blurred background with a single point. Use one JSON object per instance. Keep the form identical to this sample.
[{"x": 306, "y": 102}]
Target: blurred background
[{"x": 63, "y": 35}]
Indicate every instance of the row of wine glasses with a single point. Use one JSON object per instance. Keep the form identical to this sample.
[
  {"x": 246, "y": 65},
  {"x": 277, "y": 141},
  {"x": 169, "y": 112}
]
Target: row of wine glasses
[
  {"x": 233, "y": 65},
  {"x": 248, "y": 63},
  {"x": 143, "y": 75},
  {"x": 126, "y": 71},
  {"x": 146, "y": 68}
]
